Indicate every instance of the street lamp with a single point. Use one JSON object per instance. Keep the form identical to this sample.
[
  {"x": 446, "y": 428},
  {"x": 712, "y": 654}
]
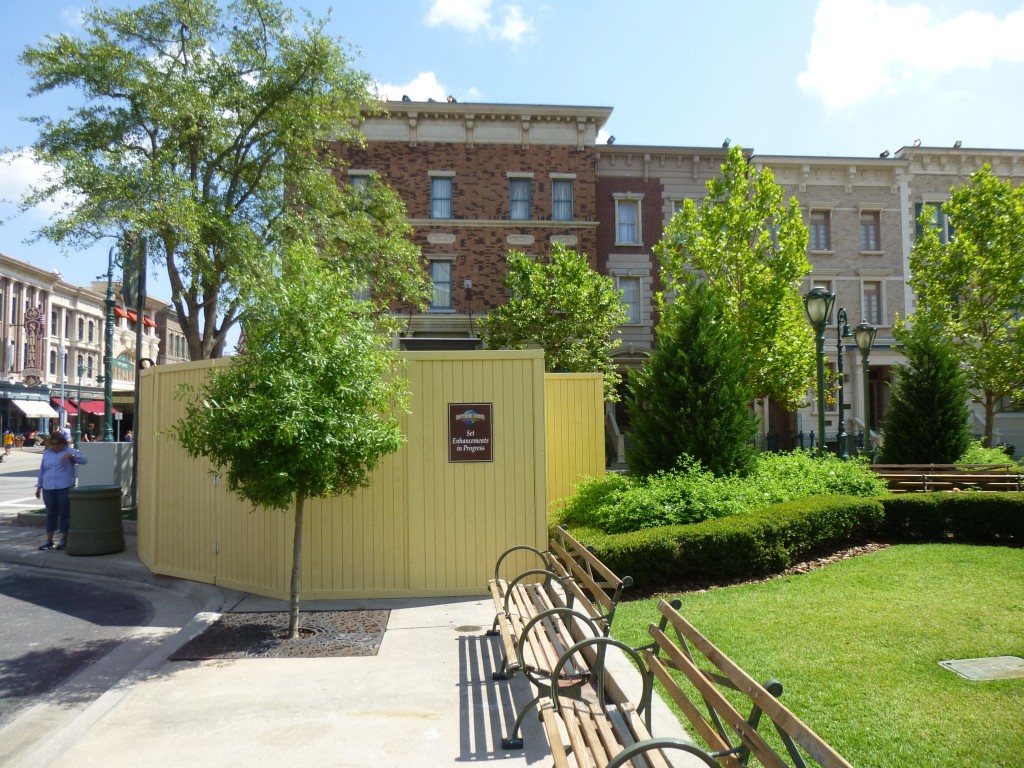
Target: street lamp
[
  {"x": 78, "y": 419},
  {"x": 864, "y": 334},
  {"x": 818, "y": 305},
  {"x": 842, "y": 332}
]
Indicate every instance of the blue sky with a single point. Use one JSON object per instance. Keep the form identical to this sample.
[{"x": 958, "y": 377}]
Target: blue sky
[{"x": 819, "y": 77}]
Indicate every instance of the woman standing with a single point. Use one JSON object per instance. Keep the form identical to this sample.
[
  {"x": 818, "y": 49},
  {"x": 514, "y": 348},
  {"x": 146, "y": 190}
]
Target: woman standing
[{"x": 56, "y": 478}]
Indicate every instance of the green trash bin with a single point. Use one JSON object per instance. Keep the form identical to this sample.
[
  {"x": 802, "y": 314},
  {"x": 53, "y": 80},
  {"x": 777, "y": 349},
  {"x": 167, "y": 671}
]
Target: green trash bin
[{"x": 96, "y": 527}]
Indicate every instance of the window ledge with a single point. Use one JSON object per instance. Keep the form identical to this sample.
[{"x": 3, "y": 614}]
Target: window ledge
[
  {"x": 872, "y": 253},
  {"x": 619, "y": 243},
  {"x": 823, "y": 251}
]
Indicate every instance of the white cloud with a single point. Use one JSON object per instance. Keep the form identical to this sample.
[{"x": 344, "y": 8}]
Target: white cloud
[
  {"x": 475, "y": 16},
  {"x": 424, "y": 86},
  {"x": 20, "y": 172},
  {"x": 861, "y": 48}
]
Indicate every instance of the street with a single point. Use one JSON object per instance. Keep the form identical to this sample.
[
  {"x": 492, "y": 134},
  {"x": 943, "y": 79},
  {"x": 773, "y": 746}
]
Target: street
[
  {"x": 53, "y": 625},
  {"x": 18, "y": 474}
]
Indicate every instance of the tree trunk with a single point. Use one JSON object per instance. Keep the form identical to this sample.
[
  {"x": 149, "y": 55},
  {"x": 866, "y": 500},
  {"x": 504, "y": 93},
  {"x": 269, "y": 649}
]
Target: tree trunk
[
  {"x": 990, "y": 417},
  {"x": 293, "y": 608}
]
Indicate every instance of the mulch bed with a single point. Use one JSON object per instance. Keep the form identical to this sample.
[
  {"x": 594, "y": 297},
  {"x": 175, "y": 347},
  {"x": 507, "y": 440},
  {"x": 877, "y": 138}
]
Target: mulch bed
[{"x": 262, "y": 636}]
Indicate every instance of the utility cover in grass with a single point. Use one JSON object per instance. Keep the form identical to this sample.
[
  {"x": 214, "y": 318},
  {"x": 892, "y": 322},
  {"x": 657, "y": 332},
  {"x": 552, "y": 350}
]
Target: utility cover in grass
[
  {"x": 262, "y": 636},
  {"x": 992, "y": 668}
]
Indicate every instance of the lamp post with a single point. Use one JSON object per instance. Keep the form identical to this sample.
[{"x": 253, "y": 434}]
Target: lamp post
[
  {"x": 108, "y": 356},
  {"x": 818, "y": 306},
  {"x": 864, "y": 334},
  {"x": 78, "y": 420},
  {"x": 842, "y": 332},
  {"x": 62, "y": 422}
]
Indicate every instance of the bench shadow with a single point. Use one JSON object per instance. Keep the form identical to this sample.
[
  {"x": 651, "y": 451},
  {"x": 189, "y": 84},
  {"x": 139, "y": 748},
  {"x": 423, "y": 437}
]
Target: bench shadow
[{"x": 488, "y": 707}]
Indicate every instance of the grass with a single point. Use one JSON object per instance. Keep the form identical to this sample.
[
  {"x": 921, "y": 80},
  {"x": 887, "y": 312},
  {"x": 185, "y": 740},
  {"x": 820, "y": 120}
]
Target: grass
[{"x": 857, "y": 644}]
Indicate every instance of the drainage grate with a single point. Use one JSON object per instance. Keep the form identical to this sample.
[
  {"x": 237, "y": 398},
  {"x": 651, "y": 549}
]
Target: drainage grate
[{"x": 992, "y": 668}]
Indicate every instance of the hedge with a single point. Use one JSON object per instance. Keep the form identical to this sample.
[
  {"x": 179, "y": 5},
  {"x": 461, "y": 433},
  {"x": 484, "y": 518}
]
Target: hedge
[{"x": 774, "y": 538}]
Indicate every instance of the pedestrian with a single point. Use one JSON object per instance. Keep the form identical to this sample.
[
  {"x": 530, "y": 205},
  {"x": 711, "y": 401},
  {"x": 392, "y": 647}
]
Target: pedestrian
[
  {"x": 8, "y": 442},
  {"x": 56, "y": 478},
  {"x": 66, "y": 431},
  {"x": 128, "y": 436}
]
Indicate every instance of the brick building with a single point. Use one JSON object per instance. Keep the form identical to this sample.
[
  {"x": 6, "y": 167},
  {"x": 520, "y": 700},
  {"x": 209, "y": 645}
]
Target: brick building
[{"x": 481, "y": 179}]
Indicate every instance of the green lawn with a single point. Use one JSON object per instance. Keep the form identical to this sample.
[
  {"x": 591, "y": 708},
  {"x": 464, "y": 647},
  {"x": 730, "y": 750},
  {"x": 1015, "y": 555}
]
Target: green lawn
[{"x": 857, "y": 644}]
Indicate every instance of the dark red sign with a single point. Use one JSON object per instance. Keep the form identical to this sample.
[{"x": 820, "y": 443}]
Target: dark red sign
[{"x": 470, "y": 432}]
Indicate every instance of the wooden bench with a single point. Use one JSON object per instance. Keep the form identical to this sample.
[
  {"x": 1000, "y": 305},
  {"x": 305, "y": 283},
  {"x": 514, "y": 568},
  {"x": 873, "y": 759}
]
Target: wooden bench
[
  {"x": 540, "y": 613},
  {"x": 926, "y": 478},
  {"x": 609, "y": 731}
]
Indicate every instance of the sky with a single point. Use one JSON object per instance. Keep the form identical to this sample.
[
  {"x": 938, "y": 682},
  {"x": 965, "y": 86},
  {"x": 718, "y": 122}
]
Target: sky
[{"x": 792, "y": 77}]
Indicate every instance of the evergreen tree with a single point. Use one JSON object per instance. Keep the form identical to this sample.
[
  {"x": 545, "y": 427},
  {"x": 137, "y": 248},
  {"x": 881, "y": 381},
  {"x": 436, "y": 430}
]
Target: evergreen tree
[
  {"x": 927, "y": 417},
  {"x": 692, "y": 397}
]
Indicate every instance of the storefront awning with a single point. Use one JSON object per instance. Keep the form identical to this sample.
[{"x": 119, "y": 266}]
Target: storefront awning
[
  {"x": 133, "y": 316},
  {"x": 35, "y": 409},
  {"x": 69, "y": 409},
  {"x": 95, "y": 407}
]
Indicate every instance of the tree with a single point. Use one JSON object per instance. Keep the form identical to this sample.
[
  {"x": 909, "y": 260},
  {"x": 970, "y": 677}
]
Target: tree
[
  {"x": 321, "y": 362},
  {"x": 203, "y": 130},
  {"x": 926, "y": 420},
  {"x": 692, "y": 396},
  {"x": 751, "y": 248},
  {"x": 564, "y": 306},
  {"x": 971, "y": 287}
]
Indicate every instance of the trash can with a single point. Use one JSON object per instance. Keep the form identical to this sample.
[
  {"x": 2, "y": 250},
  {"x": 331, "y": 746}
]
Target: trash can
[{"x": 96, "y": 527}]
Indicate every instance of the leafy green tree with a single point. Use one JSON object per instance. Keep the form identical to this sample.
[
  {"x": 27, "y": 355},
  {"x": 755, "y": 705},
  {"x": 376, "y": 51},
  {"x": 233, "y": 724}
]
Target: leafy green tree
[
  {"x": 321, "y": 362},
  {"x": 202, "y": 128},
  {"x": 752, "y": 250},
  {"x": 926, "y": 420},
  {"x": 972, "y": 286},
  {"x": 692, "y": 396},
  {"x": 564, "y": 306}
]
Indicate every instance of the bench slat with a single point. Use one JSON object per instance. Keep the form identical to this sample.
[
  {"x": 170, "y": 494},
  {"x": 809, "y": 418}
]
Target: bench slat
[{"x": 815, "y": 746}]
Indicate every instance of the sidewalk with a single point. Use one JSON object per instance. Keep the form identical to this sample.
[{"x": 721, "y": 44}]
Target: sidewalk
[{"x": 425, "y": 700}]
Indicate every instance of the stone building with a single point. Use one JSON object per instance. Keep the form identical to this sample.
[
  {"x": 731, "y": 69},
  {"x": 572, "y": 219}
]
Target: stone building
[
  {"x": 482, "y": 179},
  {"x": 50, "y": 330}
]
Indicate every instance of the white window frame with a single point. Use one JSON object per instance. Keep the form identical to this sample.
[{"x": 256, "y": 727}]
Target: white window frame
[
  {"x": 881, "y": 320},
  {"x": 438, "y": 176},
  {"x": 813, "y": 243},
  {"x": 450, "y": 261},
  {"x": 634, "y": 200},
  {"x": 563, "y": 178},
  {"x": 636, "y": 307},
  {"x": 520, "y": 180}
]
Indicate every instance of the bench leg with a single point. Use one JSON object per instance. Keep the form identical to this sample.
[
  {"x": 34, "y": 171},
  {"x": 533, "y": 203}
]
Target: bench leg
[
  {"x": 502, "y": 673},
  {"x": 515, "y": 741}
]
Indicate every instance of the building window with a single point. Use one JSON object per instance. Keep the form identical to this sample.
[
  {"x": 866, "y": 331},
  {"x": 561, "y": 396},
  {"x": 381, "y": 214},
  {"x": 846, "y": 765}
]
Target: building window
[
  {"x": 81, "y": 329},
  {"x": 53, "y": 362},
  {"x": 821, "y": 231},
  {"x": 440, "y": 197},
  {"x": 939, "y": 220},
  {"x": 362, "y": 292},
  {"x": 630, "y": 287},
  {"x": 561, "y": 200},
  {"x": 869, "y": 221},
  {"x": 54, "y": 323},
  {"x": 519, "y": 199},
  {"x": 441, "y": 284},
  {"x": 91, "y": 330},
  {"x": 89, "y": 367},
  {"x": 872, "y": 296},
  {"x": 627, "y": 221},
  {"x": 359, "y": 180}
]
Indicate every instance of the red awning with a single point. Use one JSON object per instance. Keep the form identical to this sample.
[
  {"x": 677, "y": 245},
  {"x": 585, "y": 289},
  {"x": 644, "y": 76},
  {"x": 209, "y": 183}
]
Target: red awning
[
  {"x": 69, "y": 409},
  {"x": 132, "y": 315},
  {"x": 95, "y": 407},
  {"x": 118, "y": 312}
]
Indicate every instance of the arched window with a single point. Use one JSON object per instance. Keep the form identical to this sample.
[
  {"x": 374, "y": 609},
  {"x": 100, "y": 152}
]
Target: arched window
[
  {"x": 81, "y": 329},
  {"x": 53, "y": 362},
  {"x": 54, "y": 322},
  {"x": 91, "y": 329},
  {"x": 90, "y": 367}
]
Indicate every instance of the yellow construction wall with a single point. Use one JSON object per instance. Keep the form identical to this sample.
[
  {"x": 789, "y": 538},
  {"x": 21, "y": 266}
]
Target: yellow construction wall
[
  {"x": 424, "y": 526},
  {"x": 574, "y": 431}
]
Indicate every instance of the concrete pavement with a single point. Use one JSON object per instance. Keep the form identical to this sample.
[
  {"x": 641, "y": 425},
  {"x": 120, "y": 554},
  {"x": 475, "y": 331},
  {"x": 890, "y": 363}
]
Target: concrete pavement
[{"x": 425, "y": 700}]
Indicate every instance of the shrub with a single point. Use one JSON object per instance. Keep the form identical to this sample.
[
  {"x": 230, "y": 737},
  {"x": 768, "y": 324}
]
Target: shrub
[
  {"x": 750, "y": 544},
  {"x": 690, "y": 494},
  {"x": 977, "y": 453},
  {"x": 969, "y": 516}
]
